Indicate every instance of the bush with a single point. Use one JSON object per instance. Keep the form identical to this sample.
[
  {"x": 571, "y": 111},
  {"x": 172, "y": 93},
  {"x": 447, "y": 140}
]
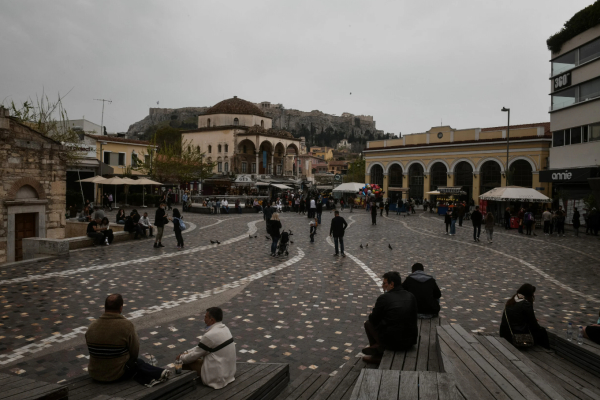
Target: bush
[{"x": 580, "y": 22}]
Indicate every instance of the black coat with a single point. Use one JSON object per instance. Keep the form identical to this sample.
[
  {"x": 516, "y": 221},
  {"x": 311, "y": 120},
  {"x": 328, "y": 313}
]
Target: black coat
[
  {"x": 274, "y": 227},
  {"x": 576, "y": 222},
  {"x": 476, "y": 218},
  {"x": 425, "y": 290},
  {"x": 522, "y": 320},
  {"x": 338, "y": 226},
  {"x": 395, "y": 318},
  {"x": 268, "y": 213},
  {"x": 160, "y": 218}
]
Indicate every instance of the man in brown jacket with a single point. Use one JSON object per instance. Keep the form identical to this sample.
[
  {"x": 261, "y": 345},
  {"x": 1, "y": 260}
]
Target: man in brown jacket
[{"x": 114, "y": 347}]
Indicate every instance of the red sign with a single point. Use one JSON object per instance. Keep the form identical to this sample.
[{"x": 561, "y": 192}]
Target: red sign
[{"x": 483, "y": 206}]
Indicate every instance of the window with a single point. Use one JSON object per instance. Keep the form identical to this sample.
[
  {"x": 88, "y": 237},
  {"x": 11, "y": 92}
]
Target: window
[
  {"x": 219, "y": 148},
  {"x": 244, "y": 167},
  {"x": 220, "y": 166},
  {"x": 208, "y": 122},
  {"x": 209, "y": 148},
  {"x": 115, "y": 159},
  {"x": 107, "y": 157},
  {"x": 134, "y": 160},
  {"x": 437, "y": 176},
  {"x": 564, "y": 98},
  {"x": 122, "y": 159},
  {"x": 594, "y": 132},
  {"x": 522, "y": 175},
  {"x": 395, "y": 176},
  {"x": 576, "y": 135},
  {"x": 589, "y": 51},
  {"x": 236, "y": 121},
  {"x": 564, "y": 62},
  {"x": 558, "y": 138},
  {"x": 589, "y": 90},
  {"x": 226, "y": 167},
  {"x": 226, "y": 148},
  {"x": 146, "y": 160},
  {"x": 377, "y": 175},
  {"x": 262, "y": 123},
  {"x": 584, "y": 132},
  {"x": 244, "y": 149},
  {"x": 253, "y": 167},
  {"x": 279, "y": 169},
  {"x": 567, "y": 136}
]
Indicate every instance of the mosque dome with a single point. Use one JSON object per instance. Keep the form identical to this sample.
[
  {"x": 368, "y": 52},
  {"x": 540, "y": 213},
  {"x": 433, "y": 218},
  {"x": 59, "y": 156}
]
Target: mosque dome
[{"x": 235, "y": 106}]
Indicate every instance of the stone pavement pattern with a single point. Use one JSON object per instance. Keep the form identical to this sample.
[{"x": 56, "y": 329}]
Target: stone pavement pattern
[{"x": 306, "y": 309}]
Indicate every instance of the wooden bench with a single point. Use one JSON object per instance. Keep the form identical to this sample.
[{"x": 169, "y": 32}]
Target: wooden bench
[
  {"x": 587, "y": 355},
  {"x": 377, "y": 384},
  {"x": 16, "y": 387},
  {"x": 487, "y": 367},
  {"x": 315, "y": 386},
  {"x": 424, "y": 356},
  {"x": 85, "y": 388}
]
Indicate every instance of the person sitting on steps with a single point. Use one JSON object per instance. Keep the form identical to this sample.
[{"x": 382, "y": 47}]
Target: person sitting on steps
[
  {"x": 392, "y": 325},
  {"x": 145, "y": 224},
  {"x": 95, "y": 232},
  {"x": 425, "y": 290}
]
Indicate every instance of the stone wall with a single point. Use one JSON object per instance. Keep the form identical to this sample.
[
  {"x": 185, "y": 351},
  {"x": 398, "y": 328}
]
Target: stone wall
[{"x": 27, "y": 158}]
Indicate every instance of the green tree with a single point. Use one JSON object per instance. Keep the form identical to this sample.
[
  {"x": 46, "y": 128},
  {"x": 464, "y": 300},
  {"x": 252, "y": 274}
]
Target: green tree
[
  {"x": 166, "y": 136},
  {"x": 356, "y": 171}
]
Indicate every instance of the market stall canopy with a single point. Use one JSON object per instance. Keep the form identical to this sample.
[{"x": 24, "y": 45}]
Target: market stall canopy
[
  {"x": 515, "y": 193},
  {"x": 280, "y": 186},
  {"x": 93, "y": 179},
  {"x": 350, "y": 187},
  {"x": 433, "y": 192},
  {"x": 113, "y": 181},
  {"x": 129, "y": 181},
  {"x": 262, "y": 184},
  {"x": 146, "y": 181},
  {"x": 398, "y": 189},
  {"x": 451, "y": 190}
]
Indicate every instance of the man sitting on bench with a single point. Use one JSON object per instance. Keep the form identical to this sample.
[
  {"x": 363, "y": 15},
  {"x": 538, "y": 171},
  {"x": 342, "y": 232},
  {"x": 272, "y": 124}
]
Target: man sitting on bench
[
  {"x": 426, "y": 291},
  {"x": 214, "y": 357},
  {"x": 94, "y": 231},
  {"x": 114, "y": 347},
  {"x": 393, "y": 323}
]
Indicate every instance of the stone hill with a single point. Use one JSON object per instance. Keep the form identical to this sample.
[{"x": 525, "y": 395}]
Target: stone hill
[{"x": 316, "y": 126}]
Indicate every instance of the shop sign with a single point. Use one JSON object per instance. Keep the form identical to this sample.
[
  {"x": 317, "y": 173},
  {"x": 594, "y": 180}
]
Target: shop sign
[
  {"x": 568, "y": 175},
  {"x": 562, "y": 81},
  {"x": 243, "y": 178}
]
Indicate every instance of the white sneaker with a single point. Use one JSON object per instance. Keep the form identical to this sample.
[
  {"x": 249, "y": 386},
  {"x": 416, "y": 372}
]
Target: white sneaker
[{"x": 165, "y": 375}]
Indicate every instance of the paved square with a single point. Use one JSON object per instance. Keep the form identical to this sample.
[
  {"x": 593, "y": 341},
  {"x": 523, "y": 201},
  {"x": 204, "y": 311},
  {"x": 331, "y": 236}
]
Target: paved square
[{"x": 306, "y": 309}]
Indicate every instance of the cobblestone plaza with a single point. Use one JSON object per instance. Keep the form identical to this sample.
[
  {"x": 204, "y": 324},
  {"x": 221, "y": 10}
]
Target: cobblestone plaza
[{"x": 307, "y": 309}]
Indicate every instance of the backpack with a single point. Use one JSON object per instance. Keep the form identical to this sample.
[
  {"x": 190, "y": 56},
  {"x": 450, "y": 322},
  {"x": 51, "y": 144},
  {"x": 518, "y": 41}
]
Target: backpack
[
  {"x": 529, "y": 216},
  {"x": 182, "y": 225}
]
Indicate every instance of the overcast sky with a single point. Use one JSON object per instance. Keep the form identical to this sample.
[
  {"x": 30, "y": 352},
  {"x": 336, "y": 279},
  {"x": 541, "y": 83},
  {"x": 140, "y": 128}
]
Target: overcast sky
[{"x": 409, "y": 64}]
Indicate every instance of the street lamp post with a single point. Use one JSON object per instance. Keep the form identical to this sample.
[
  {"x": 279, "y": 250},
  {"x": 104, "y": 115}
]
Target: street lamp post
[
  {"x": 101, "y": 157},
  {"x": 504, "y": 109}
]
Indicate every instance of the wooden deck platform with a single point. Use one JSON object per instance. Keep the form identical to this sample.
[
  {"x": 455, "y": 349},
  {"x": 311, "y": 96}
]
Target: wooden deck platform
[
  {"x": 378, "y": 384},
  {"x": 16, "y": 387},
  {"x": 424, "y": 356},
  {"x": 587, "y": 354}
]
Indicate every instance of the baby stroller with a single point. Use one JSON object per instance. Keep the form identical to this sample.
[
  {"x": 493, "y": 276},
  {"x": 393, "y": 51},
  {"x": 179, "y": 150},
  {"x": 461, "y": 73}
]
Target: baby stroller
[{"x": 284, "y": 243}]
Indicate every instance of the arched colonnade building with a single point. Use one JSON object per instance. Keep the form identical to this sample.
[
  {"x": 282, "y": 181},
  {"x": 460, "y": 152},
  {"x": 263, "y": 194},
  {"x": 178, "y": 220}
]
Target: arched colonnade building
[{"x": 474, "y": 159}]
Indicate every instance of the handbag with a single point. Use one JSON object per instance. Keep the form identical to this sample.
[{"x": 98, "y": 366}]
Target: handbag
[{"x": 520, "y": 339}]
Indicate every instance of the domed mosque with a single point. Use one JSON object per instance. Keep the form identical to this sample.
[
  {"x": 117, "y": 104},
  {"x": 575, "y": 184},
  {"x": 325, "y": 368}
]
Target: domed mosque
[{"x": 240, "y": 139}]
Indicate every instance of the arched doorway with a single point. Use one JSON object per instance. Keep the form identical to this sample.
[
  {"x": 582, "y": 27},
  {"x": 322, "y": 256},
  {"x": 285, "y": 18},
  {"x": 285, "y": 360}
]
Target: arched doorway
[
  {"x": 395, "y": 177},
  {"x": 522, "y": 174},
  {"x": 415, "y": 181},
  {"x": 438, "y": 176},
  {"x": 463, "y": 177},
  {"x": 377, "y": 175},
  {"x": 490, "y": 176}
]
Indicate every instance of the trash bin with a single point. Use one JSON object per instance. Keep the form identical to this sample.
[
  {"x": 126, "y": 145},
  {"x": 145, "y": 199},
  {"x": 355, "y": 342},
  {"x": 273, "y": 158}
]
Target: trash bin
[{"x": 514, "y": 222}]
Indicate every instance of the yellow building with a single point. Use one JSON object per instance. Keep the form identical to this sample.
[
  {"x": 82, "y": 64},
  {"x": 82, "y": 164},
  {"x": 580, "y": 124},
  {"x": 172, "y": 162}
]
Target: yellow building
[
  {"x": 119, "y": 153},
  {"x": 474, "y": 159},
  {"x": 325, "y": 153}
]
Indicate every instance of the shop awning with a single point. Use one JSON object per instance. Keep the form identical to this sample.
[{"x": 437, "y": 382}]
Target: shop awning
[
  {"x": 350, "y": 187},
  {"x": 451, "y": 190},
  {"x": 515, "y": 193},
  {"x": 280, "y": 186},
  {"x": 262, "y": 184}
]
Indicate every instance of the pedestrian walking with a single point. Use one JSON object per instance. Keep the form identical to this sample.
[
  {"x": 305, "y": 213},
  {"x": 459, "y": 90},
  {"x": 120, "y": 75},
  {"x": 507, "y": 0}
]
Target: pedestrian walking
[
  {"x": 373, "y": 213},
  {"x": 547, "y": 220},
  {"x": 387, "y": 208},
  {"x": 507, "y": 218},
  {"x": 529, "y": 220},
  {"x": 489, "y": 226},
  {"x": 560, "y": 221},
  {"x": 320, "y": 211},
  {"x": 177, "y": 225},
  {"x": 453, "y": 218},
  {"x": 274, "y": 227},
  {"x": 313, "y": 209},
  {"x": 521, "y": 216},
  {"x": 575, "y": 221},
  {"x": 461, "y": 213},
  {"x": 312, "y": 231},
  {"x": 476, "y": 219},
  {"x": 448, "y": 219},
  {"x": 381, "y": 207},
  {"x": 337, "y": 229}
]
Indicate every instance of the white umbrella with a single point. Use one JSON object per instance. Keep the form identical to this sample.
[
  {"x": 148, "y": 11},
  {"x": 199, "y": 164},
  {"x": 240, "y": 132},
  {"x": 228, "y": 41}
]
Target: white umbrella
[
  {"x": 145, "y": 181},
  {"x": 515, "y": 193},
  {"x": 114, "y": 181},
  {"x": 350, "y": 187},
  {"x": 93, "y": 179}
]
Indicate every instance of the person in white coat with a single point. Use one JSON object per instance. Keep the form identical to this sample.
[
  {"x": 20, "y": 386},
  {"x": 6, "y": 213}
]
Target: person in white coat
[{"x": 214, "y": 357}]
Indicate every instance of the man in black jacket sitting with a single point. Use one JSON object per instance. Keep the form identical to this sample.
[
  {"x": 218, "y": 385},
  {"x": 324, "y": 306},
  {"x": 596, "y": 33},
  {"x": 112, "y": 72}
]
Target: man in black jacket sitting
[
  {"x": 393, "y": 323},
  {"x": 425, "y": 290}
]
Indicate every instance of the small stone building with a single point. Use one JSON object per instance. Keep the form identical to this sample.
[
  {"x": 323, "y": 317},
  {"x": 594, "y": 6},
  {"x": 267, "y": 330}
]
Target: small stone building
[{"x": 32, "y": 187}]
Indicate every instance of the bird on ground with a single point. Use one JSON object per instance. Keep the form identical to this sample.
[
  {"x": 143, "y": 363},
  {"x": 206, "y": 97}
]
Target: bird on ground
[
  {"x": 361, "y": 246},
  {"x": 218, "y": 242},
  {"x": 390, "y": 246},
  {"x": 255, "y": 236},
  {"x": 212, "y": 242},
  {"x": 367, "y": 245},
  {"x": 291, "y": 241},
  {"x": 249, "y": 236}
]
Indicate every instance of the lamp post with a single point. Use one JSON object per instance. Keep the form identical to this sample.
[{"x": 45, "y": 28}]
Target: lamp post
[
  {"x": 101, "y": 157},
  {"x": 504, "y": 109}
]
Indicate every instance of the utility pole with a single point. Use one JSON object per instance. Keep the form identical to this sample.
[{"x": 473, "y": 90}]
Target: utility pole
[
  {"x": 508, "y": 178},
  {"x": 102, "y": 133}
]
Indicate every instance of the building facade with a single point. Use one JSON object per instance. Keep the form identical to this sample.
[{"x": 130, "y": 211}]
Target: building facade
[
  {"x": 474, "y": 159},
  {"x": 575, "y": 118},
  {"x": 237, "y": 136},
  {"x": 338, "y": 167},
  {"x": 32, "y": 189}
]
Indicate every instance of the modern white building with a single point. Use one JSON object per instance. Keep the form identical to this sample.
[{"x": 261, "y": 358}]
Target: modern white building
[{"x": 574, "y": 115}]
